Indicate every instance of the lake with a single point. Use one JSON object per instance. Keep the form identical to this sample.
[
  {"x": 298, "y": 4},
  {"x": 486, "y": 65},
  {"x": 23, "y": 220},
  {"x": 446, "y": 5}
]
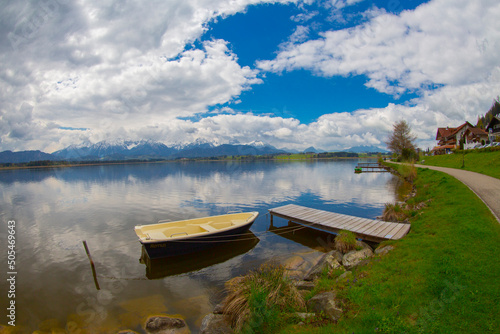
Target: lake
[{"x": 56, "y": 209}]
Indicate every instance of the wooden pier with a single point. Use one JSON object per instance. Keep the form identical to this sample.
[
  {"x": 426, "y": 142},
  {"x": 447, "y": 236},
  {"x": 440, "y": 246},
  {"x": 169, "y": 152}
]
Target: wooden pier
[
  {"x": 366, "y": 229},
  {"x": 371, "y": 167}
]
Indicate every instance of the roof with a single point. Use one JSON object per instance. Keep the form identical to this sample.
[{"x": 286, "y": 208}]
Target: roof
[
  {"x": 493, "y": 119},
  {"x": 462, "y": 126},
  {"x": 444, "y": 132},
  {"x": 447, "y": 132},
  {"x": 478, "y": 132}
]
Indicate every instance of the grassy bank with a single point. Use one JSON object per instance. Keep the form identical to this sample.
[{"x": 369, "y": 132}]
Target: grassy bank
[
  {"x": 441, "y": 278},
  {"x": 484, "y": 162}
]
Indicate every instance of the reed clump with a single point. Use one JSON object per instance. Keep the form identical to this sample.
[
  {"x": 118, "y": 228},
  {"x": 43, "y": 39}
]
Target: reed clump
[
  {"x": 401, "y": 213},
  {"x": 345, "y": 241},
  {"x": 408, "y": 172},
  {"x": 394, "y": 213},
  {"x": 257, "y": 301}
]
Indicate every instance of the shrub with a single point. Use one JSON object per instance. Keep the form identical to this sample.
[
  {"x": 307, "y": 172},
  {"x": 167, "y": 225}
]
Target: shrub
[
  {"x": 409, "y": 154},
  {"x": 345, "y": 241}
]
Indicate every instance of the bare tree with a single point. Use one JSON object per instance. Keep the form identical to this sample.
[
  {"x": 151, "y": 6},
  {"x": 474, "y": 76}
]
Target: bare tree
[{"x": 401, "y": 141}]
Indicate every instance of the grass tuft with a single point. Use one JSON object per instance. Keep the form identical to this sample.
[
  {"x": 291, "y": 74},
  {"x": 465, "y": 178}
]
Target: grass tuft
[
  {"x": 345, "y": 241},
  {"x": 255, "y": 302},
  {"x": 393, "y": 213}
]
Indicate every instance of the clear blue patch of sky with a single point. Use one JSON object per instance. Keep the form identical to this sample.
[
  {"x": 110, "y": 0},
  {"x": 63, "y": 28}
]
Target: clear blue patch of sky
[
  {"x": 256, "y": 35},
  {"x": 73, "y": 129},
  {"x": 301, "y": 95}
]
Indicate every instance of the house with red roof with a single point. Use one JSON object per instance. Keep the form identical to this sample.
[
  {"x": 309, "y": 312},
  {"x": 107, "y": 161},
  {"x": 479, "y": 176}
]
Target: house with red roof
[{"x": 449, "y": 138}]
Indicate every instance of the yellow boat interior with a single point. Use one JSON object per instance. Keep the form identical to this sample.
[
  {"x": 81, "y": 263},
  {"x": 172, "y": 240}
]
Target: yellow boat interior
[{"x": 192, "y": 227}]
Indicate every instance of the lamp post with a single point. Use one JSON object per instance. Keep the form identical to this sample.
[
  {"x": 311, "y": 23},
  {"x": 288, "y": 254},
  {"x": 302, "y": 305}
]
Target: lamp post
[{"x": 462, "y": 140}]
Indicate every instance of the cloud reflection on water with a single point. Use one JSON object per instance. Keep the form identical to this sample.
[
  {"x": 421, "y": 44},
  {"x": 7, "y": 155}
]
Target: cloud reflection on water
[{"x": 58, "y": 208}]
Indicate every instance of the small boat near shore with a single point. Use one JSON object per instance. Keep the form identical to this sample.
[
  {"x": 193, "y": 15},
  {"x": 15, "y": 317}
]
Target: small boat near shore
[
  {"x": 167, "y": 238},
  {"x": 220, "y": 253}
]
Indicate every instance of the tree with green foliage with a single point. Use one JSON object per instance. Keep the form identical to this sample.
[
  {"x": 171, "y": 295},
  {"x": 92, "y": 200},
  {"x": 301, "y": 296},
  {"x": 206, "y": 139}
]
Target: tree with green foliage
[{"x": 402, "y": 142}]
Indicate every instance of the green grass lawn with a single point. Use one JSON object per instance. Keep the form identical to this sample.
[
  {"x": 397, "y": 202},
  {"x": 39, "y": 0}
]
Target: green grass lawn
[
  {"x": 441, "y": 278},
  {"x": 295, "y": 156},
  {"x": 483, "y": 162}
]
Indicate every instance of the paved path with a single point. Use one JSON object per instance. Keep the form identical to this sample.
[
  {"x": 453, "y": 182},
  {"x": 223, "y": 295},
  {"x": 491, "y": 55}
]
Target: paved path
[{"x": 487, "y": 188}]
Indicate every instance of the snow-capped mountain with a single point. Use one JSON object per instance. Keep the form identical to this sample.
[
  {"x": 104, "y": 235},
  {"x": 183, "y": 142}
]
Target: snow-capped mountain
[
  {"x": 256, "y": 143},
  {"x": 197, "y": 142},
  {"x": 115, "y": 150},
  {"x": 122, "y": 150}
]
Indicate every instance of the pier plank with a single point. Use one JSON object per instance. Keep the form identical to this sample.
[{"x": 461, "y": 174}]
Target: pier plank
[
  {"x": 386, "y": 230},
  {"x": 402, "y": 232},
  {"x": 343, "y": 221},
  {"x": 363, "y": 227}
]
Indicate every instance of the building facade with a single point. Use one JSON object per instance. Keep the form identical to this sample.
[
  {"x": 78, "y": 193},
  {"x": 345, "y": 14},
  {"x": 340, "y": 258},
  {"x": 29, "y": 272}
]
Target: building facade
[{"x": 450, "y": 138}]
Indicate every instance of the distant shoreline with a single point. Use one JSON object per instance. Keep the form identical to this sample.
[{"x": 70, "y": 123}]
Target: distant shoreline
[{"x": 283, "y": 158}]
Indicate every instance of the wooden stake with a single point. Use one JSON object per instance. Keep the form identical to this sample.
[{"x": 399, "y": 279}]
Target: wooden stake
[{"x": 91, "y": 265}]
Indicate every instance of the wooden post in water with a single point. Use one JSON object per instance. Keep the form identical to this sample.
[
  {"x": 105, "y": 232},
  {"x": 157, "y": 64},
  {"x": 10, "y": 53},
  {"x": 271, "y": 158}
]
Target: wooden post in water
[{"x": 91, "y": 265}]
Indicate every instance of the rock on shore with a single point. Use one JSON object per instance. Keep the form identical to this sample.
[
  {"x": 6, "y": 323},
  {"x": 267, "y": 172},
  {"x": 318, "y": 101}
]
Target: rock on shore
[
  {"x": 324, "y": 303},
  {"x": 215, "y": 324},
  {"x": 166, "y": 325}
]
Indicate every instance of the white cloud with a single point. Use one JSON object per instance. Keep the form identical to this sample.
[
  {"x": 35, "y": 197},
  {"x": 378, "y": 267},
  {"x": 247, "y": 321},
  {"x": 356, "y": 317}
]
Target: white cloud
[
  {"x": 124, "y": 70},
  {"x": 111, "y": 66},
  {"x": 443, "y": 42},
  {"x": 452, "y": 45},
  {"x": 304, "y": 17},
  {"x": 339, "y": 4},
  {"x": 299, "y": 35},
  {"x": 152, "y": 87}
]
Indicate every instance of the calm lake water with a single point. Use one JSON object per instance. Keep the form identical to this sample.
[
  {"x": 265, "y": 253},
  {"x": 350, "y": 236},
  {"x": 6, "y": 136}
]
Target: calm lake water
[{"x": 56, "y": 209}]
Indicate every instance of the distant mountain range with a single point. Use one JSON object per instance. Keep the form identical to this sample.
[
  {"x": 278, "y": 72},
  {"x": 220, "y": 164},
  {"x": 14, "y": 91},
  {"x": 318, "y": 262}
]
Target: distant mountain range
[
  {"x": 125, "y": 150},
  {"x": 119, "y": 150},
  {"x": 147, "y": 150},
  {"x": 24, "y": 156},
  {"x": 313, "y": 150},
  {"x": 366, "y": 149}
]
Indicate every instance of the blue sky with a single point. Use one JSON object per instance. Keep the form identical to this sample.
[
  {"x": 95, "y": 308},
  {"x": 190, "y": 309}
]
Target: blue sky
[
  {"x": 328, "y": 73},
  {"x": 256, "y": 35}
]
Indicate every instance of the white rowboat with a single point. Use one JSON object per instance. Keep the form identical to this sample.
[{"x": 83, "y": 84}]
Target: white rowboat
[{"x": 187, "y": 236}]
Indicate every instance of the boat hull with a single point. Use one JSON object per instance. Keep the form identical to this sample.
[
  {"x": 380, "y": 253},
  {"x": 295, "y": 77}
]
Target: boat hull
[
  {"x": 176, "y": 265},
  {"x": 167, "y": 248}
]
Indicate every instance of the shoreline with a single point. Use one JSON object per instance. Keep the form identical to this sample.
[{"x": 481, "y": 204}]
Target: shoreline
[
  {"x": 65, "y": 164},
  {"x": 433, "y": 284}
]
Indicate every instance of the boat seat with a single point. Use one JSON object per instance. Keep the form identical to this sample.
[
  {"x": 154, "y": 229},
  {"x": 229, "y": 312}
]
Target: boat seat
[
  {"x": 155, "y": 235},
  {"x": 182, "y": 231},
  {"x": 208, "y": 227},
  {"x": 222, "y": 225},
  {"x": 238, "y": 221}
]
